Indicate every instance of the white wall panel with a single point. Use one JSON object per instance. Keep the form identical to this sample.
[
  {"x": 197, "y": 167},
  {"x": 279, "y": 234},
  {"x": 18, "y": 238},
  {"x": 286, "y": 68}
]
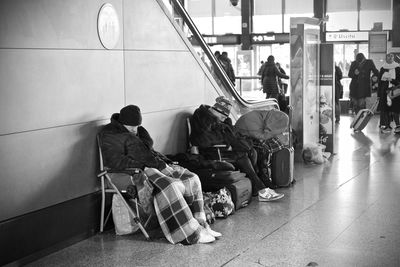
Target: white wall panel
[
  {"x": 163, "y": 80},
  {"x": 42, "y": 168},
  {"x": 52, "y": 23},
  {"x": 168, "y": 129},
  {"x": 42, "y": 89},
  {"x": 148, "y": 28}
]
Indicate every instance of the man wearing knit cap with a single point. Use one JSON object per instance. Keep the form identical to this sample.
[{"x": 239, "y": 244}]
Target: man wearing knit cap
[
  {"x": 178, "y": 204},
  {"x": 212, "y": 126}
]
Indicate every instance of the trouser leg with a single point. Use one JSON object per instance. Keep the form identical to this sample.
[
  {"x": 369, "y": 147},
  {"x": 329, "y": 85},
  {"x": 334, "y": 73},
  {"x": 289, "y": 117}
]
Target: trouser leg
[
  {"x": 384, "y": 118},
  {"x": 244, "y": 165}
]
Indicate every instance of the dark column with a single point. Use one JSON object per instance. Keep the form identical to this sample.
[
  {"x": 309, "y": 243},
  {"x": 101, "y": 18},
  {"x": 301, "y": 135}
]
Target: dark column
[
  {"x": 396, "y": 24},
  {"x": 320, "y": 12},
  {"x": 247, "y": 23}
]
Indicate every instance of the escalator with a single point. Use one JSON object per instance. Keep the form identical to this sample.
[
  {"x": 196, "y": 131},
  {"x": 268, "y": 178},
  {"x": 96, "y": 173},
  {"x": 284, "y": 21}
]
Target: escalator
[{"x": 226, "y": 87}]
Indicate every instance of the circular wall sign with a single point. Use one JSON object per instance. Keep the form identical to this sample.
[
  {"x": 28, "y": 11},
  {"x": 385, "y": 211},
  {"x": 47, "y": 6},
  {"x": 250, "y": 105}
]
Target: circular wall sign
[{"x": 108, "y": 26}]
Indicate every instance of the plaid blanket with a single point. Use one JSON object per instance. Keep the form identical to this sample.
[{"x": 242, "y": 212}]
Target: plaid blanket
[
  {"x": 178, "y": 203},
  {"x": 270, "y": 145}
]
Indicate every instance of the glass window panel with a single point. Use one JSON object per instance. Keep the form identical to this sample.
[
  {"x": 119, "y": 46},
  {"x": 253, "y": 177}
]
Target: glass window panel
[
  {"x": 299, "y": 6},
  {"x": 341, "y": 5},
  {"x": 267, "y": 7},
  {"x": 342, "y": 21},
  {"x": 203, "y": 24},
  {"x": 231, "y": 24},
  {"x": 199, "y": 8},
  {"x": 367, "y": 19},
  {"x": 267, "y": 23},
  {"x": 376, "y": 4},
  {"x": 288, "y": 16},
  {"x": 225, "y": 8}
]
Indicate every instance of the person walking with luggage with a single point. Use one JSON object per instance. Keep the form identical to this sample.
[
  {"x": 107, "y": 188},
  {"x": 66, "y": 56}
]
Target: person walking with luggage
[
  {"x": 212, "y": 126},
  {"x": 178, "y": 204},
  {"x": 389, "y": 76},
  {"x": 360, "y": 85},
  {"x": 269, "y": 78}
]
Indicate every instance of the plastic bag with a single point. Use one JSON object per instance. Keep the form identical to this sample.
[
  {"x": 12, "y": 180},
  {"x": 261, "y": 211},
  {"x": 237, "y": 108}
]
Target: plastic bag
[{"x": 123, "y": 221}]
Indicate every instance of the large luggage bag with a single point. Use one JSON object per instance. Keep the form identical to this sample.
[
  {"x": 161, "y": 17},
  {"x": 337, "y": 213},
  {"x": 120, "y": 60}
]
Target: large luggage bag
[
  {"x": 282, "y": 161},
  {"x": 363, "y": 116},
  {"x": 235, "y": 181},
  {"x": 240, "y": 192}
]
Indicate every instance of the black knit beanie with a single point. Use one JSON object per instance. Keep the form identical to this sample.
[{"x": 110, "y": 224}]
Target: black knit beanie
[{"x": 130, "y": 115}]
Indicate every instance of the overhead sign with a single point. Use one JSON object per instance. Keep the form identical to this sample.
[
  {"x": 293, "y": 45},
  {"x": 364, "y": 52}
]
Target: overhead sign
[
  {"x": 222, "y": 39},
  {"x": 269, "y": 38},
  {"x": 346, "y": 36}
]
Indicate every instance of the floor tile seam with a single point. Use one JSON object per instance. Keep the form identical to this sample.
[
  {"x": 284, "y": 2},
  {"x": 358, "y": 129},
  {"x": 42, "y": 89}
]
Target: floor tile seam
[
  {"x": 352, "y": 223},
  {"x": 235, "y": 257},
  {"x": 358, "y": 174}
]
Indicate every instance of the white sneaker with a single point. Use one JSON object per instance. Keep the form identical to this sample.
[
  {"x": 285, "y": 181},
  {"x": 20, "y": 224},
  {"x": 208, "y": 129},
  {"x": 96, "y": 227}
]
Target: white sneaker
[
  {"x": 269, "y": 195},
  {"x": 205, "y": 237},
  {"x": 212, "y": 232}
]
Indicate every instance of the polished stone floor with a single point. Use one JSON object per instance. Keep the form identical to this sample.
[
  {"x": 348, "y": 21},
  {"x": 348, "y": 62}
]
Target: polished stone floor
[{"x": 345, "y": 212}]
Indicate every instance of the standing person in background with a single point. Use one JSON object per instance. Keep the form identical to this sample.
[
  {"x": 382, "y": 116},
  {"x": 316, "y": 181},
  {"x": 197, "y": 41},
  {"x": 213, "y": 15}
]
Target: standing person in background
[
  {"x": 338, "y": 92},
  {"x": 360, "y": 85},
  {"x": 269, "y": 78},
  {"x": 261, "y": 69},
  {"x": 281, "y": 84},
  {"x": 389, "y": 76},
  {"x": 217, "y": 54},
  {"x": 227, "y": 66}
]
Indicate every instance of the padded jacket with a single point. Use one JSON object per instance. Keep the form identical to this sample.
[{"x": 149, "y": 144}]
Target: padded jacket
[
  {"x": 207, "y": 131},
  {"x": 122, "y": 149}
]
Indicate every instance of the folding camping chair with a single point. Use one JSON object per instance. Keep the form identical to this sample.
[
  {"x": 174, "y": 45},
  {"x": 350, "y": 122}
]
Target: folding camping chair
[{"x": 108, "y": 186}]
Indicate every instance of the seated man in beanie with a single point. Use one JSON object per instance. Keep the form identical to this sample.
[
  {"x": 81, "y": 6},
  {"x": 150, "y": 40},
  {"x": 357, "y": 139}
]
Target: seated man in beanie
[
  {"x": 177, "y": 192},
  {"x": 212, "y": 126}
]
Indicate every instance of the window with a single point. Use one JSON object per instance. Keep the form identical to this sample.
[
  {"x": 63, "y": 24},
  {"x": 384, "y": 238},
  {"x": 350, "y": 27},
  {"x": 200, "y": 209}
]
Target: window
[
  {"x": 375, "y": 11},
  {"x": 342, "y": 14},
  {"x": 267, "y": 16},
  {"x": 295, "y": 9}
]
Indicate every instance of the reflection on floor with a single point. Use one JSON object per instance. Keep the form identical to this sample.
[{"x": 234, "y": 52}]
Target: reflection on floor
[{"x": 342, "y": 213}]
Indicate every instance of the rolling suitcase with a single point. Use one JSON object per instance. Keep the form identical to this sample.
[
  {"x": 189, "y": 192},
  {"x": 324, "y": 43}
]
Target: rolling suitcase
[
  {"x": 363, "y": 116},
  {"x": 282, "y": 161}
]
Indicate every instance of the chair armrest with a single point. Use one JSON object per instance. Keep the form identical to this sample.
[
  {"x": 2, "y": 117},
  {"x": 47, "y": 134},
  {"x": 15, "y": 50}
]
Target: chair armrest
[
  {"x": 129, "y": 171},
  {"x": 220, "y": 146}
]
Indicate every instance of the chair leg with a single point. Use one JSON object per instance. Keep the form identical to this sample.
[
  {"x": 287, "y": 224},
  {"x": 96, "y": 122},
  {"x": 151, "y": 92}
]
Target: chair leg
[
  {"x": 134, "y": 216},
  {"x": 103, "y": 202}
]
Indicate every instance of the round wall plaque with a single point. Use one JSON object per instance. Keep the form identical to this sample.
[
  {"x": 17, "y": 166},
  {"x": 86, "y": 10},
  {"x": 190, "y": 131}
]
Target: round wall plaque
[{"x": 108, "y": 26}]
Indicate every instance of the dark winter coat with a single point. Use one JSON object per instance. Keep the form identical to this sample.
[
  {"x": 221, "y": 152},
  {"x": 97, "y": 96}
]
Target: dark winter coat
[
  {"x": 207, "y": 131},
  {"x": 338, "y": 85},
  {"x": 227, "y": 66},
  {"x": 122, "y": 149},
  {"x": 269, "y": 78},
  {"x": 360, "y": 85},
  {"x": 383, "y": 90}
]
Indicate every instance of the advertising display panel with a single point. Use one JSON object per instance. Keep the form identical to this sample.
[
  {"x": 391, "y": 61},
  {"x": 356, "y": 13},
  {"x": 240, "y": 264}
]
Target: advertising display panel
[
  {"x": 304, "y": 78},
  {"x": 327, "y": 98}
]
